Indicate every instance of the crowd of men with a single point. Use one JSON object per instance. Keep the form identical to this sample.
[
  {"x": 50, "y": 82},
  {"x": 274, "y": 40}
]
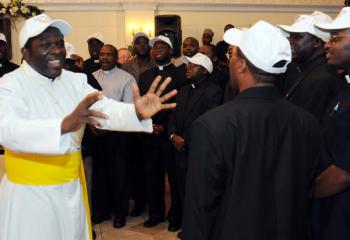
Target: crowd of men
[{"x": 257, "y": 146}]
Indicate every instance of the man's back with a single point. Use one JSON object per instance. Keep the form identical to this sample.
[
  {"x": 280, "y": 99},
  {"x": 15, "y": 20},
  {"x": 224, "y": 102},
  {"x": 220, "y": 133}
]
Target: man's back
[{"x": 253, "y": 180}]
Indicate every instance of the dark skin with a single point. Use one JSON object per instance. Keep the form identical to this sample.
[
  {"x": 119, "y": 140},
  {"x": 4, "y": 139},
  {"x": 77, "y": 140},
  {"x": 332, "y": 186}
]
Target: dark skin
[
  {"x": 209, "y": 50},
  {"x": 194, "y": 73},
  {"x": 338, "y": 49},
  {"x": 142, "y": 50},
  {"x": 141, "y": 47},
  {"x": 161, "y": 53},
  {"x": 334, "y": 179},
  {"x": 190, "y": 47},
  {"x": 206, "y": 39},
  {"x": 46, "y": 54},
  {"x": 94, "y": 48},
  {"x": 3, "y": 51},
  {"x": 108, "y": 57},
  {"x": 228, "y": 26},
  {"x": 304, "y": 46}
]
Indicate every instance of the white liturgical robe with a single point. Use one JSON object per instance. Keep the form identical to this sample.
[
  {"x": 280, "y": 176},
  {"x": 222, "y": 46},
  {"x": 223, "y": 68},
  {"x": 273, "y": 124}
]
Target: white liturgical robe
[{"x": 32, "y": 108}]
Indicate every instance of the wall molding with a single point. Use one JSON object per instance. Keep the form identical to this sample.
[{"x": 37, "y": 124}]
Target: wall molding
[{"x": 203, "y": 7}]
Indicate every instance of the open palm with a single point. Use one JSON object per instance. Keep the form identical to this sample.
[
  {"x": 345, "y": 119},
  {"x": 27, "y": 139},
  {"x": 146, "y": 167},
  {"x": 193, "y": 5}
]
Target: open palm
[{"x": 152, "y": 102}]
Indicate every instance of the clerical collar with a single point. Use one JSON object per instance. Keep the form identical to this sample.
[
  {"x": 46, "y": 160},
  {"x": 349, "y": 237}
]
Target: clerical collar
[
  {"x": 0, "y": 64},
  {"x": 107, "y": 72},
  {"x": 161, "y": 68},
  {"x": 96, "y": 61}
]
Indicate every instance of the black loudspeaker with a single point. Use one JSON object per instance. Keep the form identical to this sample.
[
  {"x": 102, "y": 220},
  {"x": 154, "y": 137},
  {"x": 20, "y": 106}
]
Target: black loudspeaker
[
  {"x": 170, "y": 26},
  {"x": 5, "y": 28}
]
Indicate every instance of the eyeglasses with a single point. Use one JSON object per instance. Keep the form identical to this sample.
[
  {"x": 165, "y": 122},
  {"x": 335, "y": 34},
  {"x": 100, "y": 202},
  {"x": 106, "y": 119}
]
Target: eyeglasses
[
  {"x": 336, "y": 38},
  {"x": 228, "y": 54}
]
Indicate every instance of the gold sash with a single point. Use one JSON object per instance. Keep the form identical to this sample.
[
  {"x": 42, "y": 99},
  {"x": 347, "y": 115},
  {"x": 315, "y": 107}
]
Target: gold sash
[{"x": 43, "y": 170}]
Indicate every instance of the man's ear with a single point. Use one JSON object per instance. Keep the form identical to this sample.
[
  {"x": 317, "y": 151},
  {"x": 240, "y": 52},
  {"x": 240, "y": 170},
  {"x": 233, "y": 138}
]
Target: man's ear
[
  {"x": 25, "y": 54},
  {"x": 318, "y": 43},
  {"x": 242, "y": 65}
]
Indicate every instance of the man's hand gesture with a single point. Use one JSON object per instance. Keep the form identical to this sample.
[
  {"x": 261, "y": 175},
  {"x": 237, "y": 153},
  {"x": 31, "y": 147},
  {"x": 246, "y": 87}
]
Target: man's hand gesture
[
  {"x": 83, "y": 115},
  {"x": 152, "y": 102}
]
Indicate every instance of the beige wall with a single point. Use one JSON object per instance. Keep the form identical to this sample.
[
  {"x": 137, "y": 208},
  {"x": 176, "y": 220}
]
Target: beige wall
[
  {"x": 115, "y": 22},
  {"x": 193, "y": 23}
]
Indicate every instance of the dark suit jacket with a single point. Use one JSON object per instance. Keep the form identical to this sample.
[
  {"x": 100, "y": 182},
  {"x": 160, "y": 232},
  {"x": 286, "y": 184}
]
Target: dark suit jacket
[
  {"x": 146, "y": 79},
  {"x": 312, "y": 85},
  {"x": 251, "y": 167},
  {"x": 191, "y": 103}
]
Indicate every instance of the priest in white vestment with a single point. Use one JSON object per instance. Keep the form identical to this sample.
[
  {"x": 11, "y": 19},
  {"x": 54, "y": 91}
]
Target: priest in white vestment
[{"x": 43, "y": 112}]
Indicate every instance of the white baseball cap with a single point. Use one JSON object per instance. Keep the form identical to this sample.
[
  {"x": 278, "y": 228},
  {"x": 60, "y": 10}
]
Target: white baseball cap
[
  {"x": 70, "y": 49},
  {"x": 3, "y": 38},
  {"x": 38, "y": 24},
  {"x": 161, "y": 38},
  {"x": 306, "y": 24},
  {"x": 200, "y": 59},
  {"x": 263, "y": 44},
  {"x": 96, "y": 36},
  {"x": 342, "y": 21},
  {"x": 139, "y": 34}
]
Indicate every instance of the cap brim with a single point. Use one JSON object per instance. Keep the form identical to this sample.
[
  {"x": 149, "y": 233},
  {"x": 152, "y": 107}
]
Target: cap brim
[
  {"x": 64, "y": 27},
  {"x": 331, "y": 27},
  {"x": 138, "y": 35},
  {"x": 154, "y": 40},
  {"x": 292, "y": 29}
]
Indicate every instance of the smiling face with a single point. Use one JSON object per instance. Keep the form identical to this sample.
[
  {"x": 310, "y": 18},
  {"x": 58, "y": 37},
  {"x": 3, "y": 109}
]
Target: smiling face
[{"x": 46, "y": 52}]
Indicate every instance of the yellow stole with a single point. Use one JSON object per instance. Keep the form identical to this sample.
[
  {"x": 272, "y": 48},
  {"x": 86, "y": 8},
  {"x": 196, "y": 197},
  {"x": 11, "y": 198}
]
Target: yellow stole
[{"x": 43, "y": 170}]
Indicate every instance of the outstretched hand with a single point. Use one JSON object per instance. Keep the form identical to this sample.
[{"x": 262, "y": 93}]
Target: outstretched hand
[
  {"x": 152, "y": 102},
  {"x": 83, "y": 115}
]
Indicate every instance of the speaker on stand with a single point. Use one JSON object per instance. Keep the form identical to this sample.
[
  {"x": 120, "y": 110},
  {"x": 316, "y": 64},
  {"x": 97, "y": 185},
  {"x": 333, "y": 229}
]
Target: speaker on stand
[{"x": 170, "y": 26}]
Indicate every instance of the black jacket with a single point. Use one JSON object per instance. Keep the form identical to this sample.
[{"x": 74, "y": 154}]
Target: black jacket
[
  {"x": 251, "y": 167},
  {"x": 7, "y": 67},
  {"x": 312, "y": 85},
  {"x": 146, "y": 79},
  {"x": 192, "y": 101}
]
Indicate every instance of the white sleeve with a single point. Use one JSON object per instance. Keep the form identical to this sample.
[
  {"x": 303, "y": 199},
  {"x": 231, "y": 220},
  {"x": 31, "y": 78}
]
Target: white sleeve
[
  {"x": 28, "y": 135},
  {"x": 122, "y": 116}
]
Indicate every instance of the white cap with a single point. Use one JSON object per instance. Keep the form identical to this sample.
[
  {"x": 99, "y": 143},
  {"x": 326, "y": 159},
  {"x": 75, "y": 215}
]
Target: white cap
[
  {"x": 3, "y": 38},
  {"x": 161, "y": 38},
  {"x": 96, "y": 36},
  {"x": 200, "y": 59},
  {"x": 342, "y": 21},
  {"x": 70, "y": 49},
  {"x": 263, "y": 45},
  {"x": 38, "y": 24},
  {"x": 139, "y": 34},
  {"x": 306, "y": 24}
]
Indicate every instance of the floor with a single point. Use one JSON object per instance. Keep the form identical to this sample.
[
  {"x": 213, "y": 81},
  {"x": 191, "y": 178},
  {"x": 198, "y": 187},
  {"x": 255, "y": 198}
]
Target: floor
[{"x": 133, "y": 230}]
